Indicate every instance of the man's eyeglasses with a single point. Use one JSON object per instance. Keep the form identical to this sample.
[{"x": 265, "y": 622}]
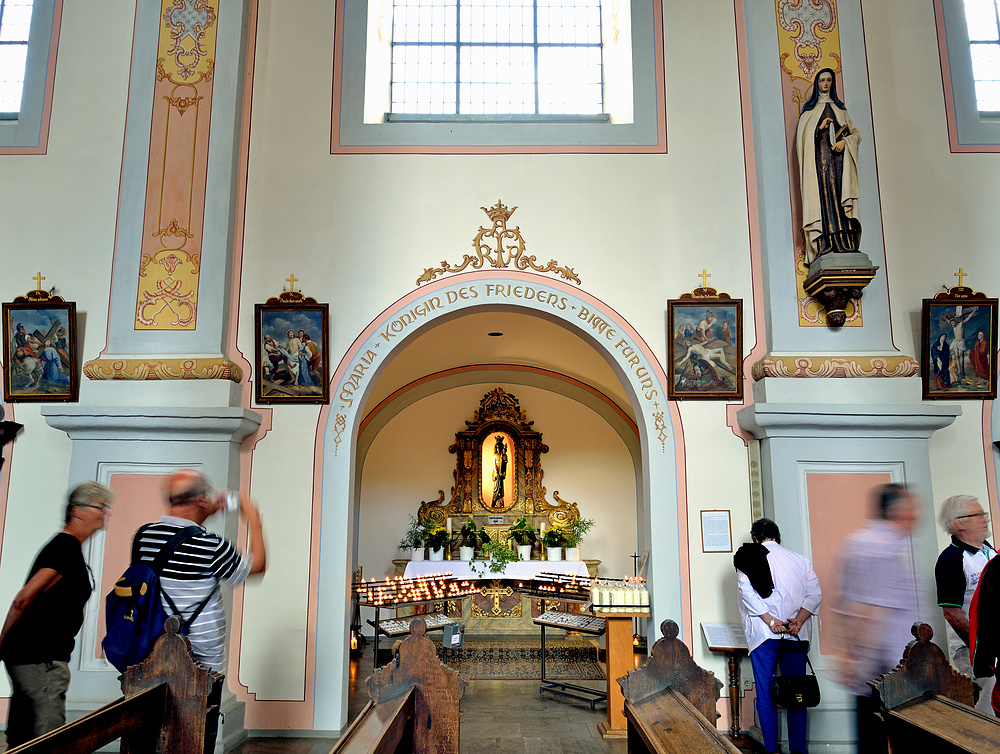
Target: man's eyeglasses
[
  {"x": 981, "y": 514},
  {"x": 94, "y": 505}
]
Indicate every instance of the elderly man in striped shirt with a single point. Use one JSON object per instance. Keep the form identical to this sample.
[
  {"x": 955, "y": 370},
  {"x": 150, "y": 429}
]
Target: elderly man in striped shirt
[{"x": 192, "y": 574}]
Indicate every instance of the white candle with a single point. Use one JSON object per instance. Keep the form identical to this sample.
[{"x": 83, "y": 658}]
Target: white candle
[
  {"x": 542, "y": 530},
  {"x": 449, "y": 526}
]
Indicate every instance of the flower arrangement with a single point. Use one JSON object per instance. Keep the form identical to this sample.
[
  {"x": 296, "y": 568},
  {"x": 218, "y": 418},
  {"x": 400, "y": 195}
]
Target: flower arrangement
[
  {"x": 437, "y": 537},
  {"x": 472, "y": 536},
  {"x": 495, "y": 554},
  {"x": 523, "y": 533},
  {"x": 414, "y": 536},
  {"x": 554, "y": 537},
  {"x": 576, "y": 531}
]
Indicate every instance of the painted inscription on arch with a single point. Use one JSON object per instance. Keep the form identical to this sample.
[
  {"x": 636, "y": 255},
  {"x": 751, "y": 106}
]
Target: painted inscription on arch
[{"x": 628, "y": 355}]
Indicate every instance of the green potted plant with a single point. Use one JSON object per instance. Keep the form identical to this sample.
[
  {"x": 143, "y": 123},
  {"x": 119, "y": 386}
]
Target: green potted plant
[
  {"x": 495, "y": 554},
  {"x": 470, "y": 537},
  {"x": 413, "y": 539},
  {"x": 554, "y": 539},
  {"x": 575, "y": 533},
  {"x": 437, "y": 539},
  {"x": 525, "y": 536}
]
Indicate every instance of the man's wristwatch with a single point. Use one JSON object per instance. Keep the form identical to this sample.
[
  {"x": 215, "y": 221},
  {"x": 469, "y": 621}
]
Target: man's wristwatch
[{"x": 773, "y": 621}]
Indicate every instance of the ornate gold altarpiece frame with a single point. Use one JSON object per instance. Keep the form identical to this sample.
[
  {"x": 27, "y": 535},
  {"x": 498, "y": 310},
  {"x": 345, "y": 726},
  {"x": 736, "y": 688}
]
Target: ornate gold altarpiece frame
[
  {"x": 498, "y": 608},
  {"x": 476, "y": 448}
]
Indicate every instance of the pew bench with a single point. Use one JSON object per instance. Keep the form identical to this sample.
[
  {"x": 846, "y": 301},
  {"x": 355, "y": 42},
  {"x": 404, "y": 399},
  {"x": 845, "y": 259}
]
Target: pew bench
[
  {"x": 163, "y": 709},
  {"x": 413, "y": 707},
  {"x": 927, "y": 704},
  {"x": 670, "y": 701}
]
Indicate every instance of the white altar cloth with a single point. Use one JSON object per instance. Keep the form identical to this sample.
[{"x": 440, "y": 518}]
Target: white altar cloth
[{"x": 522, "y": 569}]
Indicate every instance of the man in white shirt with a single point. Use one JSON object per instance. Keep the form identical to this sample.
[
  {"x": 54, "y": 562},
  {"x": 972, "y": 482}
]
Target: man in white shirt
[{"x": 779, "y": 593}]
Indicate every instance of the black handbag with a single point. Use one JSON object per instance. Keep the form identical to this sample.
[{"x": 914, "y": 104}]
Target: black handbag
[{"x": 795, "y": 692}]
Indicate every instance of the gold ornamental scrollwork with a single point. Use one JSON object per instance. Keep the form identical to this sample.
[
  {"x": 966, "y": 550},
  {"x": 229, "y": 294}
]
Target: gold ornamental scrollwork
[
  {"x": 502, "y": 248},
  {"x": 162, "y": 369},
  {"x": 476, "y": 470}
]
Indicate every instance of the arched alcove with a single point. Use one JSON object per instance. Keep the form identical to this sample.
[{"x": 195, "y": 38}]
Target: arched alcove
[{"x": 660, "y": 507}]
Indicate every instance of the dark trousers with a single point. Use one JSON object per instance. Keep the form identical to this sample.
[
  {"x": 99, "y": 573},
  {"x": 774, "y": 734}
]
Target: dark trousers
[
  {"x": 764, "y": 661},
  {"x": 212, "y": 717},
  {"x": 872, "y": 735}
]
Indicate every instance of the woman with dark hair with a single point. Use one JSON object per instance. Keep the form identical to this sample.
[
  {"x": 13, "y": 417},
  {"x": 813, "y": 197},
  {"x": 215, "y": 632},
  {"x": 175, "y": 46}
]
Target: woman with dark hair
[
  {"x": 779, "y": 593},
  {"x": 827, "y": 144}
]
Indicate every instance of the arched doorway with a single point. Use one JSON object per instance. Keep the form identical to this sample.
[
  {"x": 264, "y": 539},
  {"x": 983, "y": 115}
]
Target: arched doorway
[{"x": 660, "y": 508}]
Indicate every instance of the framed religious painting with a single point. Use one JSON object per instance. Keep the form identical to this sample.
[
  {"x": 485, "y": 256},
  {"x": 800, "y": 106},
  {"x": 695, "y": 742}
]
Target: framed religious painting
[
  {"x": 705, "y": 347},
  {"x": 958, "y": 346},
  {"x": 292, "y": 334},
  {"x": 39, "y": 335}
]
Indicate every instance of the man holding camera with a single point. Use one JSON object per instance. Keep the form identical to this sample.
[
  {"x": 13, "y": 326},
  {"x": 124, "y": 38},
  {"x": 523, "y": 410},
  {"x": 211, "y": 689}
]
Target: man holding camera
[{"x": 192, "y": 574}]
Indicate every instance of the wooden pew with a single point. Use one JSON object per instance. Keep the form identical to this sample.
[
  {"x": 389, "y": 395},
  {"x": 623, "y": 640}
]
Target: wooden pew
[
  {"x": 927, "y": 704},
  {"x": 163, "y": 709},
  {"x": 414, "y": 704},
  {"x": 669, "y": 702}
]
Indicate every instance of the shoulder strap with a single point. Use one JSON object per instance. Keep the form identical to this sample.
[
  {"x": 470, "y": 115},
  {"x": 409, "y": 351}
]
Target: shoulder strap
[{"x": 168, "y": 549}]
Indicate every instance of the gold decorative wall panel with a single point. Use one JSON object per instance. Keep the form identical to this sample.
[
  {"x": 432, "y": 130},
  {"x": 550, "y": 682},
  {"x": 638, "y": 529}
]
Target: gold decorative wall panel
[
  {"x": 808, "y": 41},
  {"x": 173, "y": 218}
]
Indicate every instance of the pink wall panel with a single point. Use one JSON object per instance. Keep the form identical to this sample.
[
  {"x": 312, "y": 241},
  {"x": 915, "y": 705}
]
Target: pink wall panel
[
  {"x": 138, "y": 500},
  {"x": 838, "y": 503}
]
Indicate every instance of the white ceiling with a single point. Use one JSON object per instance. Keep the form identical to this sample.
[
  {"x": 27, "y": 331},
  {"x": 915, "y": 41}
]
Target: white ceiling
[{"x": 526, "y": 341}]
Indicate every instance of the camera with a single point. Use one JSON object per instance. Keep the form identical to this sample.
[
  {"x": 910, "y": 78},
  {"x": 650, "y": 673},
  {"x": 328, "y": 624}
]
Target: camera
[{"x": 232, "y": 501}]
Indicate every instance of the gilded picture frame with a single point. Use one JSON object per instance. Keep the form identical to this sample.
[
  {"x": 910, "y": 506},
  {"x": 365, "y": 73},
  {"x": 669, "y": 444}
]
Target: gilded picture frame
[
  {"x": 40, "y": 356},
  {"x": 705, "y": 348},
  {"x": 292, "y": 347},
  {"x": 958, "y": 347}
]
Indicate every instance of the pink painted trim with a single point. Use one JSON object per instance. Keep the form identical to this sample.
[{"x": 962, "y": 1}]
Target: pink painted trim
[
  {"x": 50, "y": 83},
  {"x": 661, "y": 113},
  {"x": 683, "y": 554},
  {"x": 949, "y": 94},
  {"x": 487, "y": 367},
  {"x": 993, "y": 504},
  {"x": 121, "y": 178},
  {"x": 759, "y": 348}
]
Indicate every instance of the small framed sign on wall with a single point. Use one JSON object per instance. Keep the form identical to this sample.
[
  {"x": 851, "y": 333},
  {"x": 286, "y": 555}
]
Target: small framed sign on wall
[{"x": 716, "y": 531}]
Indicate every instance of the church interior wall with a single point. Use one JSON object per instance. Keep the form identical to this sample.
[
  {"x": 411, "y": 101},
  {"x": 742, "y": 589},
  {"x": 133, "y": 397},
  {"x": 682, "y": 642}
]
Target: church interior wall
[{"x": 359, "y": 229}]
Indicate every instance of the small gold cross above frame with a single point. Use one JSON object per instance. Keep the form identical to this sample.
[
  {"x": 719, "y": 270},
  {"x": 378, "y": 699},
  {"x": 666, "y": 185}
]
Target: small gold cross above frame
[
  {"x": 961, "y": 290},
  {"x": 291, "y": 296},
  {"x": 38, "y": 294},
  {"x": 704, "y": 275}
]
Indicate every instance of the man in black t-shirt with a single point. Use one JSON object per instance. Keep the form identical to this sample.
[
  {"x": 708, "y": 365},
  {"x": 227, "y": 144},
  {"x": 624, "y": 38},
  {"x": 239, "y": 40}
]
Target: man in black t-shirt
[{"x": 40, "y": 629}]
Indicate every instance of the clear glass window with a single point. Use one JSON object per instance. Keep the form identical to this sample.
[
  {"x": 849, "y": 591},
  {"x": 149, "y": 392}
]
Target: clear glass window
[
  {"x": 15, "y": 23},
  {"x": 497, "y": 57},
  {"x": 983, "y": 19}
]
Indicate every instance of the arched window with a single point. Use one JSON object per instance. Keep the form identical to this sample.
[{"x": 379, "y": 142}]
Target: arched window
[
  {"x": 29, "y": 33},
  {"x": 969, "y": 43},
  {"x": 498, "y": 76}
]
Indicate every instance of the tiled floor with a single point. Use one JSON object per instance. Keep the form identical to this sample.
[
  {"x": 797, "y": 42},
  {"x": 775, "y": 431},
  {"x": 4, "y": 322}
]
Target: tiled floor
[{"x": 508, "y": 717}]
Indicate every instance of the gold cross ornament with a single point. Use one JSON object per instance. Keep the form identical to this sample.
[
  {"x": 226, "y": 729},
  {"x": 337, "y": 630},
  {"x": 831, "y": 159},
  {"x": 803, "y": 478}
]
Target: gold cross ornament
[
  {"x": 39, "y": 277},
  {"x": 960, "y": 275},
  {"x": 704, "y": 275},
  {"x": 292, "y": 280}
]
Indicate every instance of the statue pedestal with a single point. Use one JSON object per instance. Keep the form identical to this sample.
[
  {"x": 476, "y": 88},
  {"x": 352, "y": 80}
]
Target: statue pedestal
[{"x": 836, "y": 279}]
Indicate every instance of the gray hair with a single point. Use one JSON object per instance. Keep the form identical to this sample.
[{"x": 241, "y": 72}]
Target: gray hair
[
  {"x": 85, "y": 494},
  {"x": 951, "y": 509}
]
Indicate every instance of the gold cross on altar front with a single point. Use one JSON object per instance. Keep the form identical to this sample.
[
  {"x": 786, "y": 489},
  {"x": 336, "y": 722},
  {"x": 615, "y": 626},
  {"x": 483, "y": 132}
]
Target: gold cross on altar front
[
  {"x": 39, "y": 277},
  {"x": 496, "y": 593},
  {"x": 704, "y": 275},
  {"x": 292, "y": 280},
  {"x": 961, "y": 274}
]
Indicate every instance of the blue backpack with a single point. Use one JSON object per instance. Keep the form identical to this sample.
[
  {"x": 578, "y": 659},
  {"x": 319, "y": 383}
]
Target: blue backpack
[{"x": 133, "y": 612}]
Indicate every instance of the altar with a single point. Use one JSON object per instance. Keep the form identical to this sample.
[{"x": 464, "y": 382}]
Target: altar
[
  {"x": 498, "y": 501},
  {"x": 498, "y": 608}
]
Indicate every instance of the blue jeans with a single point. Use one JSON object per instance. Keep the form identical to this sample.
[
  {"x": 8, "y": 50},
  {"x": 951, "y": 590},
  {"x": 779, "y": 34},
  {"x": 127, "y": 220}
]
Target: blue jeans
[{"x": 764, "y": 660}]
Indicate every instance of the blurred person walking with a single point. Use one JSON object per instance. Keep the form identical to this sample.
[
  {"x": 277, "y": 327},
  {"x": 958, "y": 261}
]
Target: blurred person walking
[
  {"x": 877, "y": 604},
  {"x": 40, "y": 629}
]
